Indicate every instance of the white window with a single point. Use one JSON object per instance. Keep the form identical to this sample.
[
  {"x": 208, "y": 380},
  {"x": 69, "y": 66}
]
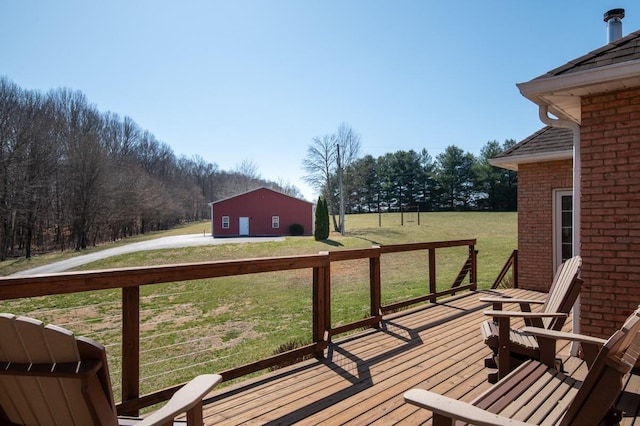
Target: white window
[
  {"x": 225, "y": 222},
  {"x": 275, "y": 221},
  {"x": 562, "y": 226}
]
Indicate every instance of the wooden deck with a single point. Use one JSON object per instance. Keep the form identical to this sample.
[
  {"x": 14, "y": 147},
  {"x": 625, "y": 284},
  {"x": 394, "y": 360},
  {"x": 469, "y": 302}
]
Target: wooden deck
[{"x": 363, "y": 377}]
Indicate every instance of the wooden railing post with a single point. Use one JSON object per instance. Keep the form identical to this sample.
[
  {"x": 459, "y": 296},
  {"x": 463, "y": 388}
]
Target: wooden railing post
[
  {"x": 514, "y": 271},
  {"x": 130, "y": 345},
  {"x": 321, "y": 305},
  {"x": 433, "y": 288},
  {"x": 474, "y": 267},
  {"x": 375, "y": 284}
]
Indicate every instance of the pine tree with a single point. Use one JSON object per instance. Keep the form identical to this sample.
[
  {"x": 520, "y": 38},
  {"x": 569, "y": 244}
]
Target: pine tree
[{"x": 321, "y": 231}]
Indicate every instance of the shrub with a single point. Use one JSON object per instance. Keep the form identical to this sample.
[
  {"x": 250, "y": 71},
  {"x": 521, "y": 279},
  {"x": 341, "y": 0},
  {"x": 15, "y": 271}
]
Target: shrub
[
  {"x": 296, "y": 229},
  {"x": 321, "y": 231}
]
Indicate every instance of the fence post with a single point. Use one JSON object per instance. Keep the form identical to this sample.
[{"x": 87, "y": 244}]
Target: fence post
[
  {"x": 130, "y": 344},
  {"x": 375, "y": 283}
]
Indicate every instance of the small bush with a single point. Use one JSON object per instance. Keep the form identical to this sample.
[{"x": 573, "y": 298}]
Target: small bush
[
  {"x": 296, "y": 229},
  {"x": 286, "y": 347}
]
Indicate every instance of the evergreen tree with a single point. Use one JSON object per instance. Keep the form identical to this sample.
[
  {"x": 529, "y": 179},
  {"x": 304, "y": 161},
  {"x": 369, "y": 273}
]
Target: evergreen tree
[{"x": 321, "y": 231}]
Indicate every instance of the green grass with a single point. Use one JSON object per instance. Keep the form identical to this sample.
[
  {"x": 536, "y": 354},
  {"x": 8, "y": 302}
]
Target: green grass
[{"x": 225, "y": 322}]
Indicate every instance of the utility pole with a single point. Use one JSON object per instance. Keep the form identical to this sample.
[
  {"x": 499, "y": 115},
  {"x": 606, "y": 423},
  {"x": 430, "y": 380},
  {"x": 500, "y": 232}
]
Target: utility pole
[{"x": 341, "y": 191}]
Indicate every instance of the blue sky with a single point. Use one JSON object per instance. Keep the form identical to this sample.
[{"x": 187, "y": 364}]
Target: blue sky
[{"x": 256, "y": 80}]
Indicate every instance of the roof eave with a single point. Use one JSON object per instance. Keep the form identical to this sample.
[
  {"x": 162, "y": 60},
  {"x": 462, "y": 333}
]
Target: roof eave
[
  {"x": 511, "y": 163},
  {"x": 562, "y": 93}
]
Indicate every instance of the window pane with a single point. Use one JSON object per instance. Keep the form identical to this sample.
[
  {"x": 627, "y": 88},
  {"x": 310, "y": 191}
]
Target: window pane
[{"x": 566, "y": 227}]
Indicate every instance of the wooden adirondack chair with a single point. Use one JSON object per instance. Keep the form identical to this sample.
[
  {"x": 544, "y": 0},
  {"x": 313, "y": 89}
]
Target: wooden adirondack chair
[
  {"x": 50, "y": 377},
  {"x": 536, "y": 393},
  {"x": 511, "y": 346}
]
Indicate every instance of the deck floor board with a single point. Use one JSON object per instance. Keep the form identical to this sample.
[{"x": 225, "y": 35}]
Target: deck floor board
[{"x": 363, "y": 377}]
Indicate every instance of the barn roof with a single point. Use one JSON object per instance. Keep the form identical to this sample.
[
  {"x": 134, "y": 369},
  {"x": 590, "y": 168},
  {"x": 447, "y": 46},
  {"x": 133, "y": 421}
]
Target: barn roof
[{"x": 262, "y": 188}]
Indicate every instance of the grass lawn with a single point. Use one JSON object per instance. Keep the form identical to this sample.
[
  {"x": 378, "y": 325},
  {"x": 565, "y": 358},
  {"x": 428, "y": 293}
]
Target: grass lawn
[{"x": 214, "y": 324}]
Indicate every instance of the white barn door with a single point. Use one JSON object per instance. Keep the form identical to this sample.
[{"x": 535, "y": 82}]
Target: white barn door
[{"x": 244, "y": 226}]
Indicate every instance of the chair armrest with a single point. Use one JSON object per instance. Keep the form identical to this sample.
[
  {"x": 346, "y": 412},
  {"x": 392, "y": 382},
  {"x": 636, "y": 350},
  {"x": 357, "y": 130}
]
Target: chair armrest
[
  {"x": 561, "y": 335},
  {"x": 510, "y": 300},
  {"x": 547, "y": 343},
  {"x": 183, "y": 400},
  {"x": 455, "y": 409},
  {"x": 518, "y": 314}
]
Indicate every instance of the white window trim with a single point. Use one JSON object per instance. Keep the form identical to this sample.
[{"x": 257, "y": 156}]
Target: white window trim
[
  {"x": 275, "y": 222},
  {"x": 557, "y": 224},
  {"x": 225, "y": 221}
]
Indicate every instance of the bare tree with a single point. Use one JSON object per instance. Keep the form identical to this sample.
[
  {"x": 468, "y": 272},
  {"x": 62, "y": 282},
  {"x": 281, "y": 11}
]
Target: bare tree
[
  {"x": 350, "y": 144},
  {"x": 248, "y": 168},
  {"x": 321, "y": 163},
  {"x": 84, "y": 165},
  {"x": 287, "y": 187},
  {"x": 246, "y": 176},
  {"x": 10, "y": 107}
]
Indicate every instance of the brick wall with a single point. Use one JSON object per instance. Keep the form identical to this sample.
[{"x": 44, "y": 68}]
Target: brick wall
[
  {"x": 536, "y": 185},
  {"x": 610, "y": 133}
]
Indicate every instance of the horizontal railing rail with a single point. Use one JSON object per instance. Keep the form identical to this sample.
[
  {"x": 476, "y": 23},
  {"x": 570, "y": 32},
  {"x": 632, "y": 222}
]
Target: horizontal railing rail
[{"x": 130, "y": 281}]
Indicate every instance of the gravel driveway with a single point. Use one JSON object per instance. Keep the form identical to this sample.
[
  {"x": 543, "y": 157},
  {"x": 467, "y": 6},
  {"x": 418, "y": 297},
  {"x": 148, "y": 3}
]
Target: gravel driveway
[{"x": 158, "y": 243}]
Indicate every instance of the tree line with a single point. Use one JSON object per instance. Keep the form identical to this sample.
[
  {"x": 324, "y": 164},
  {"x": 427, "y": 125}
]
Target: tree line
[
  {"x": 73, "y": 176},
  {"x": 408, "y": 180}
]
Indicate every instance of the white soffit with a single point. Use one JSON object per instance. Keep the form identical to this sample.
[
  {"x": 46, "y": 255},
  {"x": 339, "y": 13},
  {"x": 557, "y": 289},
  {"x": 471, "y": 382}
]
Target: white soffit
[{"x": 562, "y": 93}]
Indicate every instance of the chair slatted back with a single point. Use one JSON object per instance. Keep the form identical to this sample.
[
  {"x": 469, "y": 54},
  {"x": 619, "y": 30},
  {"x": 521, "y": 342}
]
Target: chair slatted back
[
  {"x": 604, "y": 381},
  {"x": 563, "y": 292},
  {"x": 43, "y": 378}
]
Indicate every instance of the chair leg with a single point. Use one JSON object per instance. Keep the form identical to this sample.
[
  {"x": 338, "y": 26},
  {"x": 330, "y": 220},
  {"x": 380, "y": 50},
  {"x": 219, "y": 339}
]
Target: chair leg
[
  {"x": 490, "y": 362},
  {"x": 194, "y": 415},
  {"x": 440, "y": 420},
  {"x": 504, "y": 347}
]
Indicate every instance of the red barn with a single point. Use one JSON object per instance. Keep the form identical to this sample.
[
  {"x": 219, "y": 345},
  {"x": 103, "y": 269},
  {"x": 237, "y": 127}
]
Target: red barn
[{"x": 260, "y": 212}]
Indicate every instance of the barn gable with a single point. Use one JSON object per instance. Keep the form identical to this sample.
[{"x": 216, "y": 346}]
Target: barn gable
[{"x": 260, "y": 212}]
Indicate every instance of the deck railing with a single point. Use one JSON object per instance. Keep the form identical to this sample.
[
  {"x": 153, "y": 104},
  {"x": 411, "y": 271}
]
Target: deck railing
[
  {"x": 130, "y": 281},
  {"x": 508, "y": 276}
]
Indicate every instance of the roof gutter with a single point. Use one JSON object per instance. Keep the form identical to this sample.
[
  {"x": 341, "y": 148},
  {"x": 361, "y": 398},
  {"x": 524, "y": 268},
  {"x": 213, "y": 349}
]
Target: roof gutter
[
  {"x": 586, "y": 78},
  {"x": 511, "y": 163},
  {"x": 543, "y": 113}
]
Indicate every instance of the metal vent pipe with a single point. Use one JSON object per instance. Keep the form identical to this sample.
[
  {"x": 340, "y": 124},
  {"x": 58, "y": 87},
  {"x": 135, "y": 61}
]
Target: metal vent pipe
[{"x": 613, "y": 18}]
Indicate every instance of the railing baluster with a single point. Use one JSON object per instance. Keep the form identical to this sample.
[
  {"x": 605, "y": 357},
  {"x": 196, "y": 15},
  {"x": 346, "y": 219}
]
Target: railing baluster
[{"x": 131, "y": 344}]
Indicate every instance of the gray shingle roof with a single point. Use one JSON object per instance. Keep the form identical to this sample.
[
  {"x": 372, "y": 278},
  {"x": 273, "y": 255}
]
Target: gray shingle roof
[
  {"x": 547, "y": 144},
  {"x": 622, "y": 50},
  {"x": 547, "y": 139}
]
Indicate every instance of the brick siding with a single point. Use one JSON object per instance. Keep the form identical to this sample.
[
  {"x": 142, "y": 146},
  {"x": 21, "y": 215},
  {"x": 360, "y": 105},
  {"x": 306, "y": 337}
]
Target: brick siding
[
  {"x": 536, "y": 185},
  {"x": 610, "y": 204}
]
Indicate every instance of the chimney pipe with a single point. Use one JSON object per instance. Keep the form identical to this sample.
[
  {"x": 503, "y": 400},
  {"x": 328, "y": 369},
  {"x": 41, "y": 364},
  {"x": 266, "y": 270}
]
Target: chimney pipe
[{"x": 613, "y": 18}]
